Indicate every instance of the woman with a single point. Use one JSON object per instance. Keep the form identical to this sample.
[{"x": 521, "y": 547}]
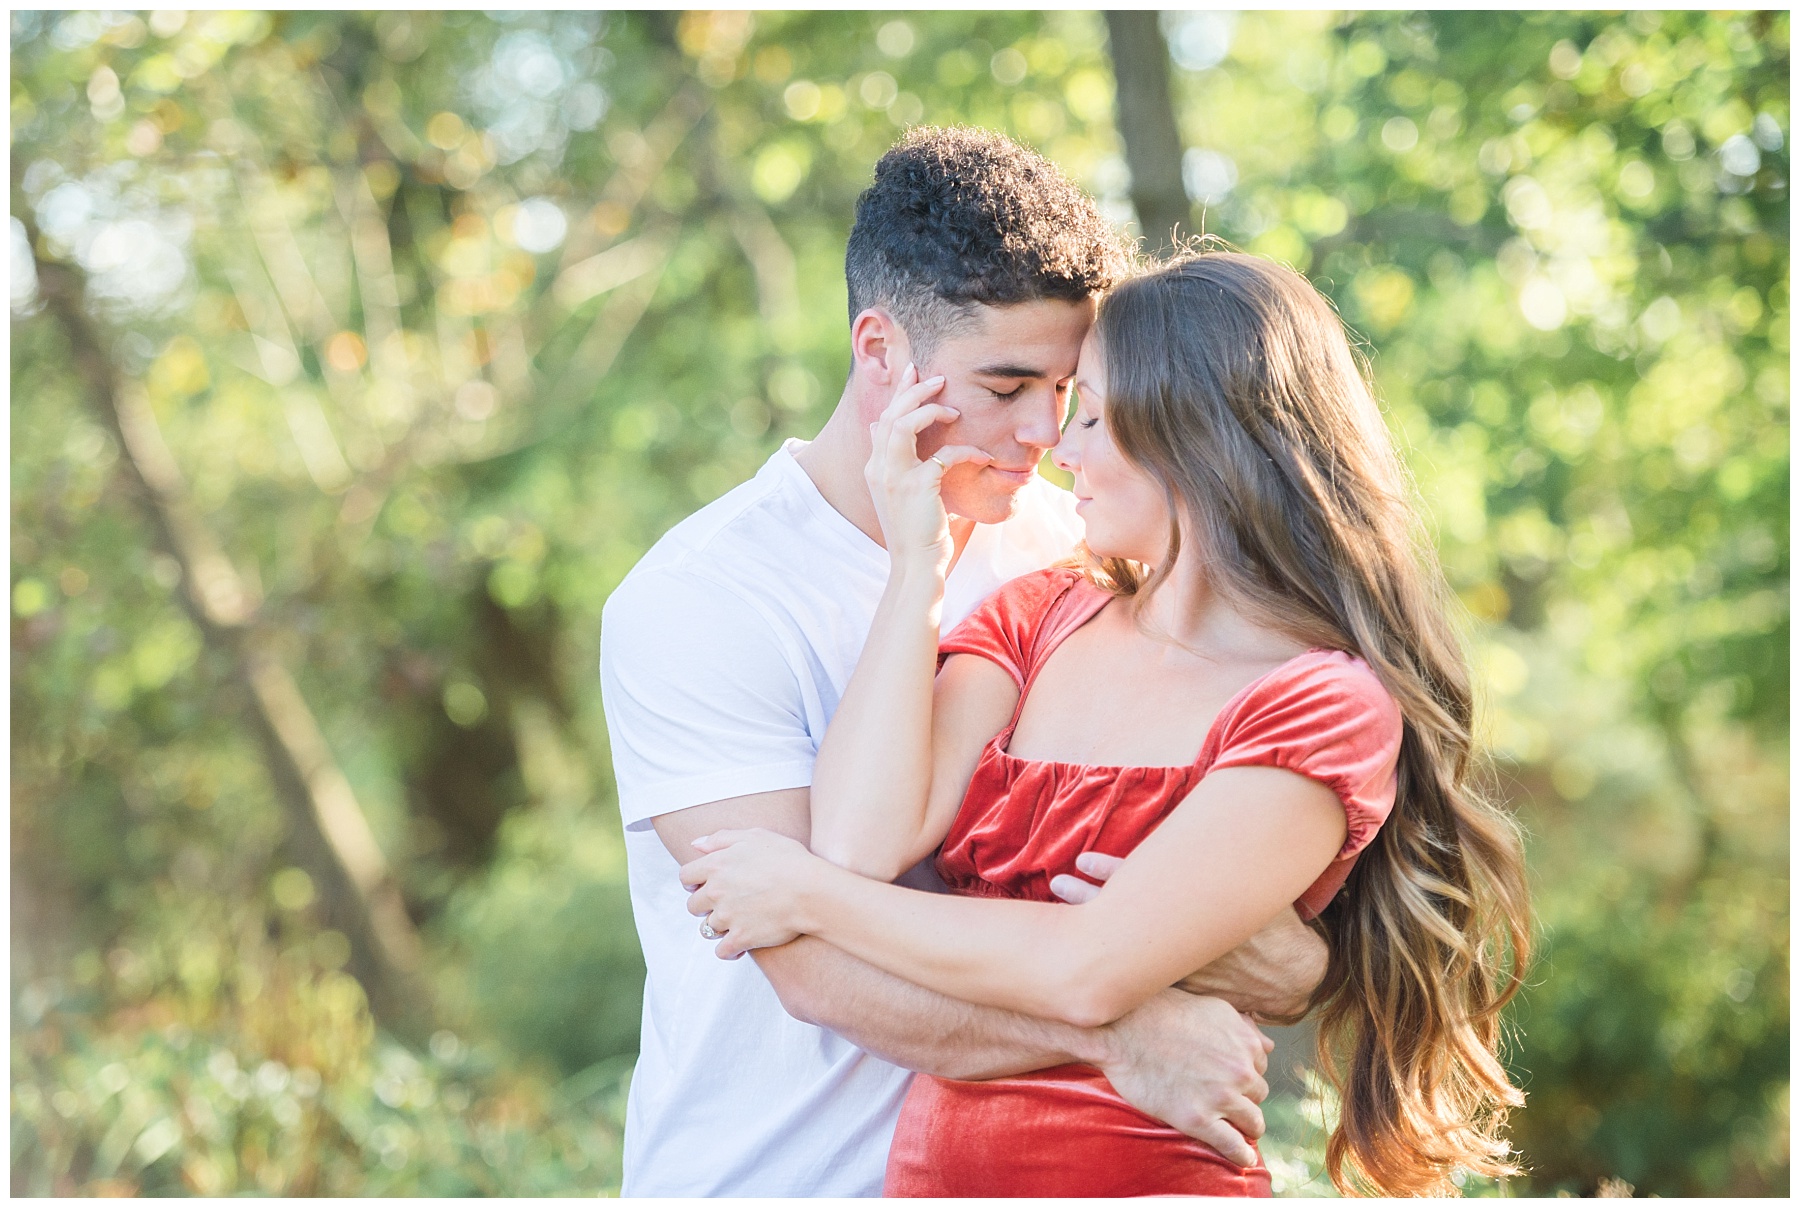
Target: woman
[{"x": 1254, "y": 592}]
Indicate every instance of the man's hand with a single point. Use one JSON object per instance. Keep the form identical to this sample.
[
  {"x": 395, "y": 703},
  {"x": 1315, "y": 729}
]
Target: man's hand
[
  {"x": 1271, "y": 975},
  {"x": 1195, "y": 1063}
]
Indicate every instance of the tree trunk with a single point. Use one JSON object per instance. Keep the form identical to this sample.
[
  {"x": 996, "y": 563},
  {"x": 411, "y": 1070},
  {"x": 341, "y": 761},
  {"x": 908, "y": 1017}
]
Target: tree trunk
[
  {"x": 329, "y": 831},
  {"x": 1146, "y": 122}
]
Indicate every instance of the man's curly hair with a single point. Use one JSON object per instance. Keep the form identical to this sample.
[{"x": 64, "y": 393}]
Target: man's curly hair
[{"x": 962, "y": 217}]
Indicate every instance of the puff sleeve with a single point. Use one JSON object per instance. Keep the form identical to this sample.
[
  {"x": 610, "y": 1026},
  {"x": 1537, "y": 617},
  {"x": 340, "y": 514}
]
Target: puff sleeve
[{"x": 1327, "y": 717}]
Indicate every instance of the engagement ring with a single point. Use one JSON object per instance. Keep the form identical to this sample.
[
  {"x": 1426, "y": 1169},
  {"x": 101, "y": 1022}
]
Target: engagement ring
[{"x": 706, "y": 930}]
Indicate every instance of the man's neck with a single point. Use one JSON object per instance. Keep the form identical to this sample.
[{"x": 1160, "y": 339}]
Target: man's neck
[{"x": 834, "y": 460}]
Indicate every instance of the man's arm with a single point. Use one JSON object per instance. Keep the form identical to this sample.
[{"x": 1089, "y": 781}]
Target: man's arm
[
  {"x": 1271, "y": 975},
  {"x": 894, "y": 1019},
  {"x": 1190, "y": 1061}
]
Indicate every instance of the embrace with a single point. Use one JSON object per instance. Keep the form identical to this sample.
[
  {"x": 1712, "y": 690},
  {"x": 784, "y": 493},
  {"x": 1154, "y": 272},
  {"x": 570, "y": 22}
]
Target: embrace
[{"x": 1028, "y": 804}]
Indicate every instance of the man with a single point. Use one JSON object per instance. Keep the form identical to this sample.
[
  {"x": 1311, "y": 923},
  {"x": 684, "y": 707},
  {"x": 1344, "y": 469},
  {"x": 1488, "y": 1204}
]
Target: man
[{"x": 725, "y": 651}]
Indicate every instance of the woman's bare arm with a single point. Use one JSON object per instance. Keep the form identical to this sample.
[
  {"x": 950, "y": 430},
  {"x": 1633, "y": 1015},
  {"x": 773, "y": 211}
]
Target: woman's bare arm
[
  {"x": 902, "y": 746},
  {"x": 1240, "y": 849},
  {"x": 1271, "y": 976},
  {"x": 885, "y": 784}
]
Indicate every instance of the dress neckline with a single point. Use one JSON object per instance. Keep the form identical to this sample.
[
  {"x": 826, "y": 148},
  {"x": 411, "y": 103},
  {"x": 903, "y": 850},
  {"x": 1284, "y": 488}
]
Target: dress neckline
[{"x": 1084, "y": 613}]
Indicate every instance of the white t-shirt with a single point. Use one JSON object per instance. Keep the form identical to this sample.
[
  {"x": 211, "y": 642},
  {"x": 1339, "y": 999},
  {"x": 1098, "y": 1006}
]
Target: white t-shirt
[{"x": 722, "y": 657}]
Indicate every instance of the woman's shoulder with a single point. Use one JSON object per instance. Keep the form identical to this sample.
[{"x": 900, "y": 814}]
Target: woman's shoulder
[
  {"x": 1030, "y": 597},
  {"x": 1326, "y": 716},
  {"x": 1333, "y": 671},
  {"x": 1040, "y": 586},
  {"x": 1007, "y": 625},
  {"x": 1327, "y": 691}
]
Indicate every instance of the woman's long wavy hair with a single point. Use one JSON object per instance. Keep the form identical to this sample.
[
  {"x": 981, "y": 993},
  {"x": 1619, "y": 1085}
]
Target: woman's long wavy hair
[{"x": 1230, "y": 381}]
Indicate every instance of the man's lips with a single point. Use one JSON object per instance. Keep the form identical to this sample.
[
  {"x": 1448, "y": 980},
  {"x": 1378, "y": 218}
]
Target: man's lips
[{"x": 1019, "y": 476}]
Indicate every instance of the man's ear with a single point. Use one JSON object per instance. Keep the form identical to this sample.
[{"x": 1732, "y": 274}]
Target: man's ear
[{"x": 879, "y": 349}]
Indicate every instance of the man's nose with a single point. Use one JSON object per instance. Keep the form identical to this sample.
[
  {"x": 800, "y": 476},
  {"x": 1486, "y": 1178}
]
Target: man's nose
[{"x": 1040, "y": 425}]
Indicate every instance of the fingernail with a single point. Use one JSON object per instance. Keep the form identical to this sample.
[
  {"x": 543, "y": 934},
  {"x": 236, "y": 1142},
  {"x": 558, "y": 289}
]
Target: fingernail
[{"x": 701, "y": 839}]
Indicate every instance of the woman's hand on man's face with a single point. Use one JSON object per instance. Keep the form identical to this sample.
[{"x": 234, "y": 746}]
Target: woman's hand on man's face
[
  {"x": 745, "y": 886},
  {"x": 906, "y": 489}
]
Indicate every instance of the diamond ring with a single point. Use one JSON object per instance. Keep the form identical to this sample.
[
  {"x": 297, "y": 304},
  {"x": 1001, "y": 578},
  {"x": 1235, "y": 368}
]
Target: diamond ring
[{"x": 706, "y": 930}]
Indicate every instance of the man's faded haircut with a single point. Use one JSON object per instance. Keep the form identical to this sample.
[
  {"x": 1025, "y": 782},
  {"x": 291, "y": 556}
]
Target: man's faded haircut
[{"x": 963, "y": 217}]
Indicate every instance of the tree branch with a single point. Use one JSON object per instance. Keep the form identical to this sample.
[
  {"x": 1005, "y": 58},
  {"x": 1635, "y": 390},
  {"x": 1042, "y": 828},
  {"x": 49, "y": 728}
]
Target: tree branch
[
  {"x": 1140, "y": 60},
  {"x": 362, "y": 897}
]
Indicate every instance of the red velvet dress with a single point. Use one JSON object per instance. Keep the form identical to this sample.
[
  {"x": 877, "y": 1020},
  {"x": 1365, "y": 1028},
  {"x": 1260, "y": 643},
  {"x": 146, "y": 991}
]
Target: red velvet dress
[{"x": 1065, "y": 1132}]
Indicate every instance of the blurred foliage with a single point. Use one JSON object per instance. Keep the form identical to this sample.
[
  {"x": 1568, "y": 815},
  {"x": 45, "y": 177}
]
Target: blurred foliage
[
  {"x": 278, "y": 1087},
  {"x": 448, "y": 316}
]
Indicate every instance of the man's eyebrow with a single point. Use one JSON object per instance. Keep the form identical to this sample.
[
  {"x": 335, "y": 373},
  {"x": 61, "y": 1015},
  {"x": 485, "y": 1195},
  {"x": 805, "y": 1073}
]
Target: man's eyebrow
[{"x": 1009, "y": 371}]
